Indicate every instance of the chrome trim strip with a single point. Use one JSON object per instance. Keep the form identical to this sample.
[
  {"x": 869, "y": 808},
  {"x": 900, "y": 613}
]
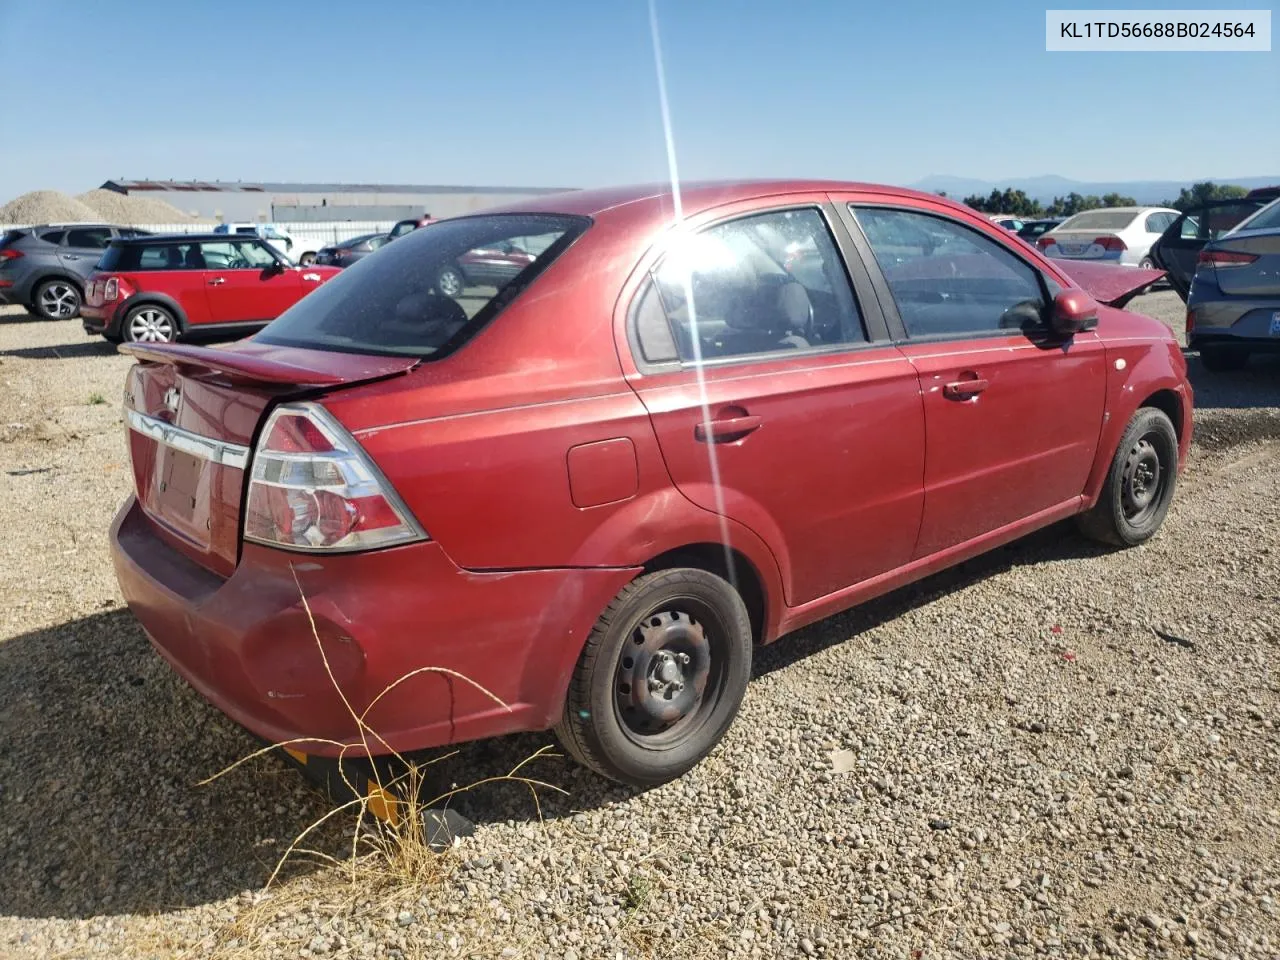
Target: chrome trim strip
[{"x": 215, "y": 451}]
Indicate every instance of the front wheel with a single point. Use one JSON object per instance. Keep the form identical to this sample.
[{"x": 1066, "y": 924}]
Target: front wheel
[
  {"x": 1148, "y": 264},
  {"x": 660, "y": 678},
  {"x": 1139, "y": 486},
  {"x": 306, "y": 260},
  {"x": 149, "y": 324}
]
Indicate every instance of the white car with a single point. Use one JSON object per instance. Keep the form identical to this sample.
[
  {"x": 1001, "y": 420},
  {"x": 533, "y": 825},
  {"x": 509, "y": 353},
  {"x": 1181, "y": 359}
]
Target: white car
[
  {"x": 1120, "y": 235},
  {"x": 1008, "y": 221},
  {"x": 297, "y": 251}
]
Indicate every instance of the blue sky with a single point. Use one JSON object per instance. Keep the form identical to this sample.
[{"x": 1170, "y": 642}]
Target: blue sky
[{"x": 543, "y": 92}]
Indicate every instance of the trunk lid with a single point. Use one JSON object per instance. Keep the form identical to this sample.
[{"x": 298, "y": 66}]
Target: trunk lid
[
  {"x": 191, "y": 415},
  {"x": 1107, "y": 283}
]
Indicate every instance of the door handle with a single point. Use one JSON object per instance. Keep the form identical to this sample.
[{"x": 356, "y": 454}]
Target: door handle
[
  {"x": 725, "y": 431},
  {"x": 70, "y": 256},
  {"x": 964, "y": 389},
  {"x": 217, "y": 280}
]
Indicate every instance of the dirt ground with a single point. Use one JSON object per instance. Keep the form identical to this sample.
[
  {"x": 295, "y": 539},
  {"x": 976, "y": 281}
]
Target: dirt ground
[{"x": 1037, "y": 769}]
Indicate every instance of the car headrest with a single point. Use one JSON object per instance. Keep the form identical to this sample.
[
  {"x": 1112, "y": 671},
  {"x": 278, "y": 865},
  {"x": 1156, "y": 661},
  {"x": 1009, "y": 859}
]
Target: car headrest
[{"x": 771, "y": 307}]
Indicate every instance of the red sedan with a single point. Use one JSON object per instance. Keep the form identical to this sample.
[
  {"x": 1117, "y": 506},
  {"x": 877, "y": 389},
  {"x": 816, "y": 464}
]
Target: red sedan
[{"x": 578, "y": 498}]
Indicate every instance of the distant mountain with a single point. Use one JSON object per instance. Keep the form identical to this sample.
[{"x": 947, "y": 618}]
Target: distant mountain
[{"x": 1045, "y": 188}]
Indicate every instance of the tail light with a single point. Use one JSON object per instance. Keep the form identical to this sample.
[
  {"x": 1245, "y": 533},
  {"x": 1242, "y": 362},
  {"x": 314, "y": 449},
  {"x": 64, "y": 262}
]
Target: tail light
[
  {"x": 111, "y": 289},
  {"x": 10, "y": 254},
  {"x": 1112, "y": 244},
  {"x": 312, "y": 488},
  {"x": 1191, "y": 321},
  {"x": 1224, "y": 259},
  {"x": 1045, "y": 242}
]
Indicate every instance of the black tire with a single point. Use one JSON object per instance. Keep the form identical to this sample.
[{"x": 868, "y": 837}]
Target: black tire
[
  {"x": 56, "y": 299},
  {"x": 672, "y": 627},
  {"x": 150, "y": 323},
  {"x": 306, "y": 260},
  {"x": 1148, "y": 264},
  {"x": 1223, "y": 358},
  {"x": 451, "y": 282},
  {"x": 1139, "y": 485}
]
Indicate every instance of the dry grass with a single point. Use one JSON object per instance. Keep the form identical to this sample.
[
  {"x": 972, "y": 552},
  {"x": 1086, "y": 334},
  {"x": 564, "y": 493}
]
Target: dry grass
[{"x": 391, "y": 857}]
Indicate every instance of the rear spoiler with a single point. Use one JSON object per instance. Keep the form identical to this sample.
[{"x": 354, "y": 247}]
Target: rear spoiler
[
  {"x": 1115, "y": 286},
  {"x": 260, "y": 363}
]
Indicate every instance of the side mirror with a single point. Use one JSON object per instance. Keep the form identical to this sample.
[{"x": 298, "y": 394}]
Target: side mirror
[{"x": 1073, "y": 312}]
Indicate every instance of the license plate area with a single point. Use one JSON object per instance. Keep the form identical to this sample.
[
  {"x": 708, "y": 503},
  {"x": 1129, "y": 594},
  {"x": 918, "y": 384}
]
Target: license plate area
[{"x": 180, "y": 494}]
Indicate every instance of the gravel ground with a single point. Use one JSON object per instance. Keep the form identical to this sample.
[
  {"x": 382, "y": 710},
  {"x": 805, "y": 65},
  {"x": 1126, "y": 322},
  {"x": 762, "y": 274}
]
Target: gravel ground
[{"x": 1003, "y": 760}]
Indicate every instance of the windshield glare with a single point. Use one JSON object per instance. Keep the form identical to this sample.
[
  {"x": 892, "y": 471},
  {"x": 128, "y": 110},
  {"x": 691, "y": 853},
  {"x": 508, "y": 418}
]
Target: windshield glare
[{"x": 429, "y": 292}]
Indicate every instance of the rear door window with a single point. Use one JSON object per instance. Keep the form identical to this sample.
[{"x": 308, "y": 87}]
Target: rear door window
[
  {"x": 408, "y": 300},
  {"x": 89, "y": 238},
  {"x": 764, "y": 283},
  {"x": 53, "y": 236},
  {"x": 169, "y": 256},
  {"x": 948, "y": 280}
]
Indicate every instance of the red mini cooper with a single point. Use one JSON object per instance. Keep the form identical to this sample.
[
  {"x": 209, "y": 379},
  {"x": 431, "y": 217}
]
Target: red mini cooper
[
  {"x": 576, "y": 498},
  {"x": 158, "y": 289}
]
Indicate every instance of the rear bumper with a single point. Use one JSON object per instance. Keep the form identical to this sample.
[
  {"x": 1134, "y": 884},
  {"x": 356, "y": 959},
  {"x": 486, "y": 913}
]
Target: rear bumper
[
  {"x": 247, "y": 645},
  {"x": 1232, "y": 319},
  {"x": 100, "y": 319}
]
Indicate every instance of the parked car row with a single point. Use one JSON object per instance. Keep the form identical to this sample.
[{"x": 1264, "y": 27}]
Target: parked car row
[
  {"x": 45, "y": 268},
  {"x": 490, "y": 441},
  {"x": 1223, "y": 259}
]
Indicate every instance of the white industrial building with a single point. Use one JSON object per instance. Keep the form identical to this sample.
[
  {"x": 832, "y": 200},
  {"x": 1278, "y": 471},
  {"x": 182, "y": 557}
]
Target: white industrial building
[{"x": 320, "y": 202}]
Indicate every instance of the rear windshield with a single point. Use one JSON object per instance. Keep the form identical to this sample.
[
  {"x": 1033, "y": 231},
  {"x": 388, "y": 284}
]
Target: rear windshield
[
  {"x": 1268, "y": 218},
  {"x": 11, "y": 236},
  {"x": 429, "y": 292},
  {"x": 1100, "y": 220}
]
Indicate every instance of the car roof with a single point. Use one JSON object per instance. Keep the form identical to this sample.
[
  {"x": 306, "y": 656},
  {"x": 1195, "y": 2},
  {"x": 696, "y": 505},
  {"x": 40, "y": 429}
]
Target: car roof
[
  {"x": 650, "y": 203},
  {"x": 173, "y": 238}
]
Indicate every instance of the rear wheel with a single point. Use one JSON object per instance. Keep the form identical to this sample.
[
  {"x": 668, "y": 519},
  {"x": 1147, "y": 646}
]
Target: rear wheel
[
  {"x": 149, "y": 324},
  {"x": 660, "y": 678},
  {"x": 1222, "y": 358},
  {"x": 1139, "y": 485},
  {"x": 307, "y": 259},
  {"x": 56, "y": 300},
  {"x": 1148, "y": 264}
]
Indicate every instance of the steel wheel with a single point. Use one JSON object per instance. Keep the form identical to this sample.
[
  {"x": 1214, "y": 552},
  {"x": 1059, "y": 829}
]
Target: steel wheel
[
  {"x": 450, "y": 282},
  {"x": 1141, "y": 481},
  {"x": 149, "y": 325},
  {"x": 57, "y": 300},
  {"x": 662, "y": 677}
]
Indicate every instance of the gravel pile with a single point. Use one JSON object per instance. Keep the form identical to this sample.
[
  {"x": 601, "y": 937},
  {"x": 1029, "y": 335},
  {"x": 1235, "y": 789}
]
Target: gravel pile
[
  {"x": 126, "y": 208},
  {"x": 46, "y": 206},
  {"x": 1053, "y": 750}
]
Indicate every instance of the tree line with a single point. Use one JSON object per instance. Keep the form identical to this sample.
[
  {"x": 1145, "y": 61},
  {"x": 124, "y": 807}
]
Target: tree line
[{"x": 1017, "y": 202}]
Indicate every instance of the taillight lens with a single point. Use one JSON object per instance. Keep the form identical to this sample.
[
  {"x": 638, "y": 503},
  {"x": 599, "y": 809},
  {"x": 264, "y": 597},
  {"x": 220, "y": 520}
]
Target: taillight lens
[
  {"x": 111, "y": 289},
  {"x": 10, "y": 254},
  {"x": 1046, "y": 241},
  {"x": 311, "y": 487},
  {"x": 1224, "y": 259},
  {"x": 1113, "y": 244}
]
